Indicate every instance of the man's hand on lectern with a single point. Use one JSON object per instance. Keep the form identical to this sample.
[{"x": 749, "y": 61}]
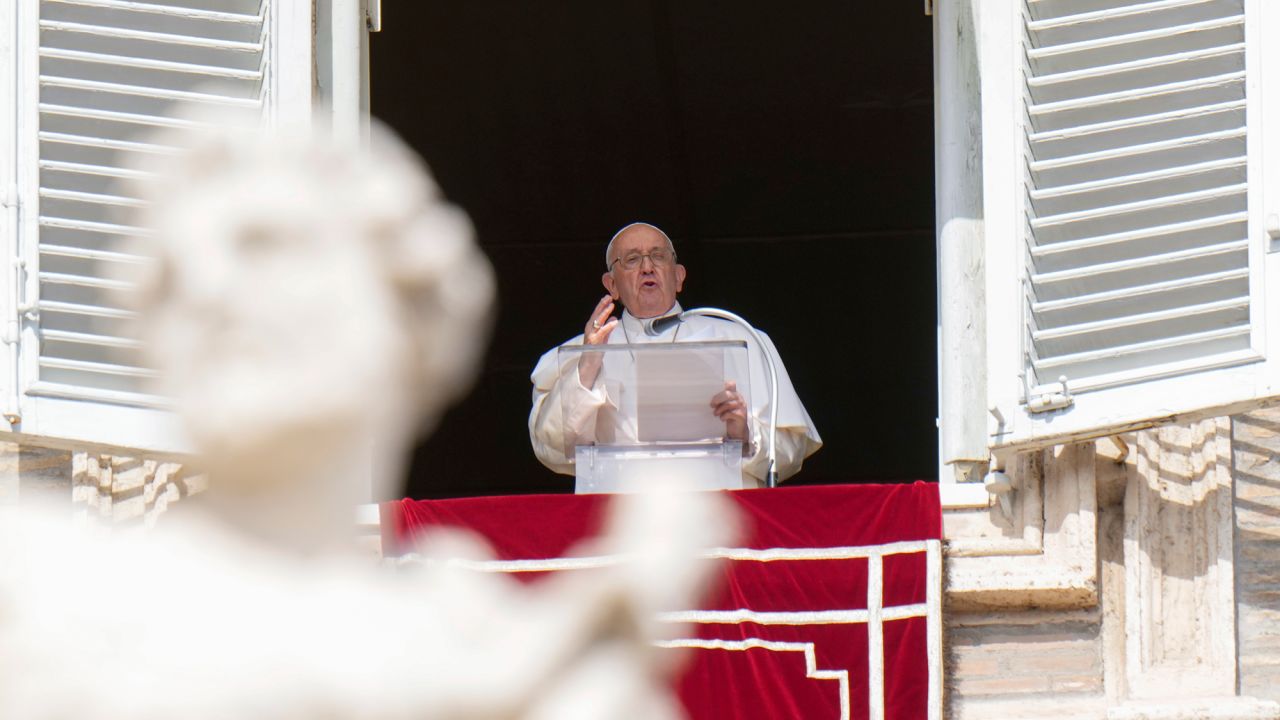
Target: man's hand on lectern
[{"x": 731, "y": 408}]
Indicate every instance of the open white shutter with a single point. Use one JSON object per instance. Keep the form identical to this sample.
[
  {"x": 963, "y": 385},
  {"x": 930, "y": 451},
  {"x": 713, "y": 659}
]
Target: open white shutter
[
  {"x": 1125, "y": 242},
  {"x": 94, "y": 78}
]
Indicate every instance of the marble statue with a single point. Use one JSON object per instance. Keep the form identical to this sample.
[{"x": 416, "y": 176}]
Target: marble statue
[{"x": 313, "y": 307}]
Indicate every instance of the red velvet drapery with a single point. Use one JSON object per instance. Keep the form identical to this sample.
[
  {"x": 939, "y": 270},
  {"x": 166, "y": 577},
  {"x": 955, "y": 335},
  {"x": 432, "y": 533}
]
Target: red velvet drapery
[{"x": 822, "y": 576}]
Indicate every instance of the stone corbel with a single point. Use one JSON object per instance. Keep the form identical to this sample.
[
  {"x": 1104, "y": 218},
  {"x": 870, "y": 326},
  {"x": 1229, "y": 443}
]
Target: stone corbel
[
  {"x": 1180, "y": 648},
  {"x": 1047, "y": 556}
]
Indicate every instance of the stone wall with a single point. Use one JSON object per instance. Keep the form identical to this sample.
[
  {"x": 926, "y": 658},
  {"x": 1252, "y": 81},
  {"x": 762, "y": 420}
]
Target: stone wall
[
  {"x": 1256, "y": 444},
  {"x": 1024, "y": 653},
  {"x": 33, "y": 474},
  {"x": 1184, "y": 618},
  {"x": 1036, "y": 644}
]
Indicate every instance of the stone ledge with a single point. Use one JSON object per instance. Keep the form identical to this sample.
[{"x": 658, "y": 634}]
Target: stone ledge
[
  {"x": 1220, "y": 708},
  {"x": 974, "y": 585},
  {"x": 1032, "y": 708},
  {"x": 1095, "y": 708}
]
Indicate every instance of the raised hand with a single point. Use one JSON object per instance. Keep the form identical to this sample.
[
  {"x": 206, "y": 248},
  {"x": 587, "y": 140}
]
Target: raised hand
[{"x": 596, "y": 332}]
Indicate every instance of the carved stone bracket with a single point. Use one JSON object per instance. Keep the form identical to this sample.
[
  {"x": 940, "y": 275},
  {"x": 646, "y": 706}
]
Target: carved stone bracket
[
  {"x": 1180, "y": 647},
  {"x": 1047, "y": 557},
  {"x": 123, "y": 489},
  {"x": 1179, "y": 600}
]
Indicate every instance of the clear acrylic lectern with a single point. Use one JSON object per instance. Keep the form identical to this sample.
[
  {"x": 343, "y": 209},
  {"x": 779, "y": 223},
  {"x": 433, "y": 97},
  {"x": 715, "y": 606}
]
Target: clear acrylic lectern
[{"x": 656, "y": 420}]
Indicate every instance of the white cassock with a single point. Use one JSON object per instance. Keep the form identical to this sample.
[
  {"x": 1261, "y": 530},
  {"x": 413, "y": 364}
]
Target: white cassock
[{"x": 566, "y": 414}]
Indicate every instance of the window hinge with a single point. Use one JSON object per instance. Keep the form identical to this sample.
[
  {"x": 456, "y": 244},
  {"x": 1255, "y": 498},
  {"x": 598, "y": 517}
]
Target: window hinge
[
  {"x": 1051, "y": 397},
  {"x": 373, "y": 15},
  {"x": 10, "y": 198},
  {"x": 21, "y": 307}
]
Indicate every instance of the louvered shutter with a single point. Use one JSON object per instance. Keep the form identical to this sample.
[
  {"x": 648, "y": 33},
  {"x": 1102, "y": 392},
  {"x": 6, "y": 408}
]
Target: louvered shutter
[
  {"x": 96, "y": 77},
  {"x": 1128, "y": 257}
]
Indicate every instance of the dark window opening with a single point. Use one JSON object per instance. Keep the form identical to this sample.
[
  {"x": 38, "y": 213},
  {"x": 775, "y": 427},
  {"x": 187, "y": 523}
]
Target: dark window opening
[{"x": 788, "y": 150}]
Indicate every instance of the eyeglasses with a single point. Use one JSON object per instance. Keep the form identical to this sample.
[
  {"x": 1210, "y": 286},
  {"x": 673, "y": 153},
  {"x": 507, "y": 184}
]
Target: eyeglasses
[{"x": 659, "y": 258}]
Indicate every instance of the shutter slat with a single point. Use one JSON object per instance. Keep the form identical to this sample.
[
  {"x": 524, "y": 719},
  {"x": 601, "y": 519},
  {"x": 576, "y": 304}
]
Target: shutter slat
[
  {"x": 1129, "y": 151},
  {"x": 95, "y": 198},
  {"x": 1096, "y": 101},
  {"x": 67, "y": 391},
  {"x": 1078, "y": 301},
  {"x": 116, "y": 116},
  {"x": 1125, "y": 123},
  {"x": 90, "y": 254},
  {"x": 151, "y": 64},
  {"x": 96, "y": 367},
  {"x": 149, "y": 92},
  {"x": 1132, "y": 150},
  {"x": 1143, "y": 205},
  {"x": 101, "y": 283},
  {"x": 166, "y": 38},
  {"x": 58, "y": 306},
  {"x": 93, "y": 226},
  {"x": 1140, "y": 262},
  {"x": 80, "y": 338},
  {"x": 1141, "y": 319},
  {"x": 1112, "y": 13},
  {"x": 106, "y": 143},
  {"x": 1110, "y": 353},
  {"x": 174, "y": 10},
  {"x": 1069, "y": 246},
  {"x": 1102, "y": 71},
  {"x": 1064, "y": 191},
  {"x": 86, "y": 169},
  {"x": 1129, "y": 38}
]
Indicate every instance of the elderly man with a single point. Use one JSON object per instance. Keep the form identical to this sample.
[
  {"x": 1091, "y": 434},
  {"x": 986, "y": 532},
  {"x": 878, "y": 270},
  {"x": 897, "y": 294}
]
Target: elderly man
[{"x": 573, "y": 408}]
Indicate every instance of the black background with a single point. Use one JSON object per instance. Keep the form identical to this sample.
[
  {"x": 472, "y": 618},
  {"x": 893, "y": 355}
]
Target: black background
[{"x": 787, "y": 148}]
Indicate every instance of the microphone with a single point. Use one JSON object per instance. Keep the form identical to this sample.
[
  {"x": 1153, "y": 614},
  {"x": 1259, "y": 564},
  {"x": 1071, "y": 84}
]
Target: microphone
[{"x": 657, "y": 326}]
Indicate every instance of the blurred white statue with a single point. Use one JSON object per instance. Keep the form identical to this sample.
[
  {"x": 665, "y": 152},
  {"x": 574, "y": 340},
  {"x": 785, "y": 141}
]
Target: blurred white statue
[{"x": 313, "y": 306}]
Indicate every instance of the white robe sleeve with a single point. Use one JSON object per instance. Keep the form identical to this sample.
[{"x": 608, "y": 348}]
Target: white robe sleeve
[{"x": 564, "y": 412}]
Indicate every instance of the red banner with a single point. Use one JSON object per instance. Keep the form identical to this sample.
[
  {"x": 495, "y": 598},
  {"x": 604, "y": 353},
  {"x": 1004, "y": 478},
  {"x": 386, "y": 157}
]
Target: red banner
[{"x": 829, "y": 608}]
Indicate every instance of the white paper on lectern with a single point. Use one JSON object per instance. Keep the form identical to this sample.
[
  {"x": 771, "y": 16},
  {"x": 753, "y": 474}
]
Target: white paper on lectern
[{"x": 675, "y": 405}]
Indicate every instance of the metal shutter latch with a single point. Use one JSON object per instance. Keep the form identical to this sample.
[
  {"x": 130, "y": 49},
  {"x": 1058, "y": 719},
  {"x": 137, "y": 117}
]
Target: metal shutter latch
[{"x": 1051, "y": 397}]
